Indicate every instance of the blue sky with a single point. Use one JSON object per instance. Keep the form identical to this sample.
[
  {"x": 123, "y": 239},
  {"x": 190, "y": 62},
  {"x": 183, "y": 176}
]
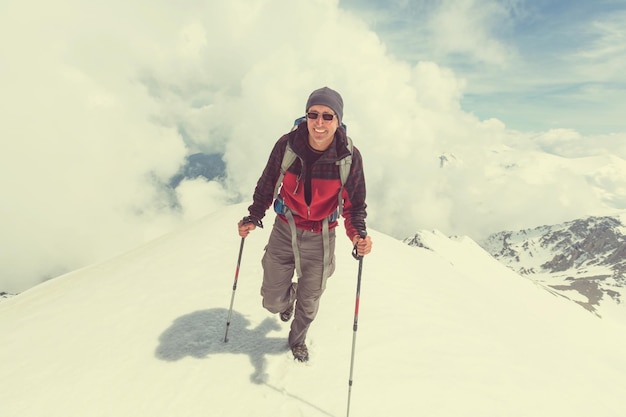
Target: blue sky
[{"x": 535, "y": 65}]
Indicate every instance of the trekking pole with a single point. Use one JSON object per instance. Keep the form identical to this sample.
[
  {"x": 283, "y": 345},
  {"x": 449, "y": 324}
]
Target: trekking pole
[
  {"x": 232, "y": 298},
  {"x": 363, "y": 234},
  {"x": 258, "y": 223}
]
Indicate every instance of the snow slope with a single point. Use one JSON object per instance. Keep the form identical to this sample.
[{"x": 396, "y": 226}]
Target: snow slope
[{"x": 445, "y": 331}]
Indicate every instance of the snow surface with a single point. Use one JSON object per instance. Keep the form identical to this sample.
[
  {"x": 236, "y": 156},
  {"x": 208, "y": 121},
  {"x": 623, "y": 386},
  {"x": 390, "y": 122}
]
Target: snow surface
[{"x": 445, "y": 331}]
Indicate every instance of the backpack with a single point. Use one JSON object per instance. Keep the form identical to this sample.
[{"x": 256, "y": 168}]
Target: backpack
[{"x": 344, "y": 166}]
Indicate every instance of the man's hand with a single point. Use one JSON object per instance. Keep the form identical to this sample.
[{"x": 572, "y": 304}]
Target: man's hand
[
  {"x": 363, "y": 246},
  {"x": 245, "y": 228},
  {"x": 247, "y": 224}
]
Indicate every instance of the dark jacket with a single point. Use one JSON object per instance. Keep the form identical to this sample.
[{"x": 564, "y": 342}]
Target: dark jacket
[{"x": 325, "y": 184}]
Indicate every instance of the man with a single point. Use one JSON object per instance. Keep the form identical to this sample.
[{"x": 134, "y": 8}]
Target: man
[{"x": 303, "y": 235}]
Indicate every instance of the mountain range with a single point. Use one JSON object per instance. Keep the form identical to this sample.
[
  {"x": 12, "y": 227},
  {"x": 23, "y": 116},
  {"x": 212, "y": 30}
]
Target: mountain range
[{"x": 583, "y": 260}]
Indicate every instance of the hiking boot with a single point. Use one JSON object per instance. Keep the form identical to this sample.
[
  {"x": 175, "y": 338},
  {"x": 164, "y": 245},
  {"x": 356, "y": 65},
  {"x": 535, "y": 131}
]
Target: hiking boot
[
  {"x": 286, "y": 315},
  {"x": 300, "y": 352}
]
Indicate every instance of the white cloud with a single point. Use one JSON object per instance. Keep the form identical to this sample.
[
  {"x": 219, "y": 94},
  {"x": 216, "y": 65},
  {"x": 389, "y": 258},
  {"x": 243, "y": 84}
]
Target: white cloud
[
  {"x": 198, "y": 197},
  {"x": 467, "y": 26},
  {"x": 604, "y": 57},
  {"x": 101, "y": 104}
]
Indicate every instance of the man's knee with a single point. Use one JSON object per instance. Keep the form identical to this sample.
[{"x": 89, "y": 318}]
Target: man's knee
[{"x": 274, "y": 301}]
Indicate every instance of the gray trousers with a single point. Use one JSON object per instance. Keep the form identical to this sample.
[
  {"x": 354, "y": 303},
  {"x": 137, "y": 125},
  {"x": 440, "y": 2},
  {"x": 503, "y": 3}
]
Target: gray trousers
[{"x": 278, "y": 270}]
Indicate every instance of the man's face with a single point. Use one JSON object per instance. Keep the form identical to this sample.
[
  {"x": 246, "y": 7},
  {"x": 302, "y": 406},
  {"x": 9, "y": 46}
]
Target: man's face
[{"x": 321, "y": 132}]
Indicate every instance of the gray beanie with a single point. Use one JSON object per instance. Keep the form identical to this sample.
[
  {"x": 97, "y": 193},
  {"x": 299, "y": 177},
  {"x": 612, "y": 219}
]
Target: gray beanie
[{"x": 326, "y": 97}]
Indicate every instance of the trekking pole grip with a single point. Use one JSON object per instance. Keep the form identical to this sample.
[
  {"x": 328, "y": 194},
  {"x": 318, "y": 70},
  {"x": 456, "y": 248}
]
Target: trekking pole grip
[{"x": 355, "y": 252}]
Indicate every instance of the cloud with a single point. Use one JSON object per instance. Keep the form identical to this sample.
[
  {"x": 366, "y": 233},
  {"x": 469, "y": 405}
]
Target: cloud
[
  {"x": 198, "y": 197},
  {"x": 533, "y": 65},
  {"x": 466, "y": 27},
  {"x": 82, "y": 165},
  {"x": 604, "y": 55},
  {"x": 101, "y": 104}
]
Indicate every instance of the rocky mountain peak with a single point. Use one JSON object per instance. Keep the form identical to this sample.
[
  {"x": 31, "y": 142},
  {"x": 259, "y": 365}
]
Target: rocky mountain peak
[{"x": 584, "y": 259}]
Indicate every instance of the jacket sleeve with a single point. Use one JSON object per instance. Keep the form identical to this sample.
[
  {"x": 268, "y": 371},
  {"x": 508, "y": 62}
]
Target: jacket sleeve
[
  {"x": 264, "y": 191},
  {"x": 354, "y": 209}
]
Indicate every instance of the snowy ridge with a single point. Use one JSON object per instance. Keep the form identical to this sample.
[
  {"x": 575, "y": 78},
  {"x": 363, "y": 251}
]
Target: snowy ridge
[{"x": 444, "y": 331}]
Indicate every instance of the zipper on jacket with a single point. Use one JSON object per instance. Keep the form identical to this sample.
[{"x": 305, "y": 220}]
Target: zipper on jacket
[
  {"x": 295, "y": 190},
  {"x": 299, "y": 177}
]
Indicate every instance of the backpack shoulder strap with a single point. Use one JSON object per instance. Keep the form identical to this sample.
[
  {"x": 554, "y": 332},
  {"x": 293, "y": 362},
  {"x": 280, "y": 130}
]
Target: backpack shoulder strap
[
  {"x": 344, "y": 171},
  {"x": 344, "y": 164},
  {"x": 288, "y": 158}
]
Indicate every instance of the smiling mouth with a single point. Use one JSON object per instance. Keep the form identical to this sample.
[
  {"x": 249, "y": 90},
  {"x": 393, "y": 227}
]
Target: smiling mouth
[{"x": 320, "y": 130}]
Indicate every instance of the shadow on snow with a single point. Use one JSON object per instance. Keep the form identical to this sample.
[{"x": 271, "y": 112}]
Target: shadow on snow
[{"x": 201, "y": 334}]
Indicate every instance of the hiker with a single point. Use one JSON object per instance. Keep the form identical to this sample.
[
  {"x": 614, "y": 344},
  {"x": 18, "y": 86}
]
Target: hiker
[{"x": 313, "y": 193}]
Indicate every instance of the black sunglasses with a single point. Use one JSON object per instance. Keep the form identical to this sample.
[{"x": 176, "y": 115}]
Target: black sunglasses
[{"x": 326, "y": 116}]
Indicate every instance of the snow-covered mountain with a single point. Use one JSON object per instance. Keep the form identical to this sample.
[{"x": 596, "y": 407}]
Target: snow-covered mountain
[
  {"x": 583, "y": 260},
  {"x": 444, "y": 331}
]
